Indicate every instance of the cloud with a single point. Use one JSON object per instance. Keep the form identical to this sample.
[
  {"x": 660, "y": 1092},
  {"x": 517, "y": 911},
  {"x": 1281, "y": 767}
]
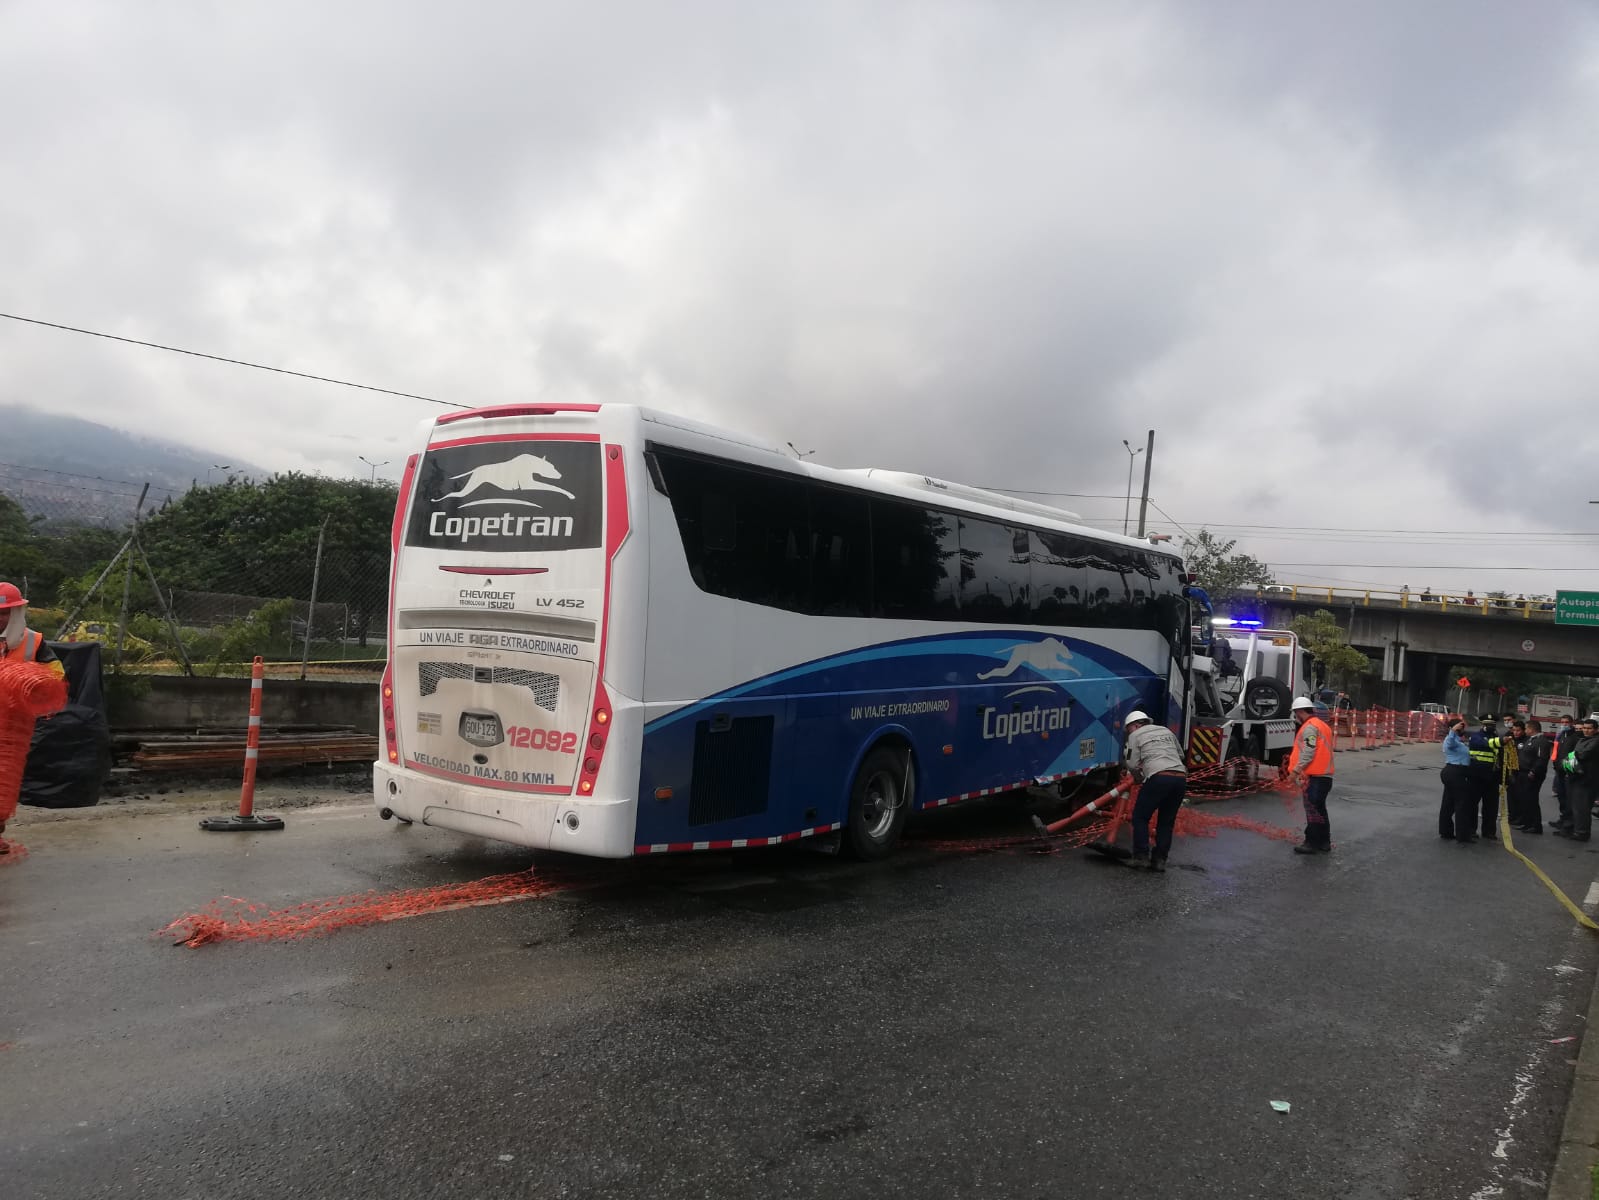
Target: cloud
[{"x": 1339, "y": 257}]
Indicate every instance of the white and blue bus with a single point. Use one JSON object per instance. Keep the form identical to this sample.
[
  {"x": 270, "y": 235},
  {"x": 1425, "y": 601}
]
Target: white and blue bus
[{"x": 616, "y": 632}]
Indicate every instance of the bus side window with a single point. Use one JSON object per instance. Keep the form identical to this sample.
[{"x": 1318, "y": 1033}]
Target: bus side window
[
  {"x": 995, "y": 587},
  {"x": 841, "y": 553},
  {"x": 915, "y": 562},
  {"x": 718, "y": 522},
  {"x": 743, "y": 531},
  {"x": 1058, "y": 578}
]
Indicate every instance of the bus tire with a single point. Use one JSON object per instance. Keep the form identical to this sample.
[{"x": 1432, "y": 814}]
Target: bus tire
[{"x": 879, "y": 803}]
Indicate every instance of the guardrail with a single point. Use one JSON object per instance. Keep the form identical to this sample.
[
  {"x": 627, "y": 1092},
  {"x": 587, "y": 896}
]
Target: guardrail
[{"x": 1528, "y": 610}]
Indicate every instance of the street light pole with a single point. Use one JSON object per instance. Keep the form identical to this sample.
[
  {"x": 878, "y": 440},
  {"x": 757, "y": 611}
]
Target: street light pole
[
  {"x": 1127, "y": 509},
  {"x": 373, "y": 465}
]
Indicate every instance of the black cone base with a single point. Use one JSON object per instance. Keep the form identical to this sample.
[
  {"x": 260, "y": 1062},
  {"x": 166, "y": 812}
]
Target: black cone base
[{"x": 238, "y": 824}]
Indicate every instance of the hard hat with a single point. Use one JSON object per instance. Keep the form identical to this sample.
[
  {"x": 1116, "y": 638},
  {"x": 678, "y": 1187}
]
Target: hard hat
[
  {"x": 1134, "y": 717},
  {"x": 11, "y": 597},
  {"x": 1302, "y": 702}
]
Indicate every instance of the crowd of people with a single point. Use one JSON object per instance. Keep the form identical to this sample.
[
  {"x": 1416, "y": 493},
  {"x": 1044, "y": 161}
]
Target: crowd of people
[
  {"x": 1470, "y": 600},
  {"x": 1515, "y": 756}
]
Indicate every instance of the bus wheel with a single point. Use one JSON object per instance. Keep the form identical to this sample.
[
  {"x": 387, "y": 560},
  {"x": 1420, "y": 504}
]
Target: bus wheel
[{"x": 879, "y": 802}]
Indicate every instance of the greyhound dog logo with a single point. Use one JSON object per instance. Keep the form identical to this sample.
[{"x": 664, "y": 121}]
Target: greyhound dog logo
[
  {"x": 524, "y": 473},
  {"x": 1046, "y": 657}
]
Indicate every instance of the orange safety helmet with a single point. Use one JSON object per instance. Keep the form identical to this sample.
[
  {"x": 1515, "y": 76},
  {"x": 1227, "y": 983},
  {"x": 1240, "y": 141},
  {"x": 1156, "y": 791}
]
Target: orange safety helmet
[{"x": 11, "y": 597}]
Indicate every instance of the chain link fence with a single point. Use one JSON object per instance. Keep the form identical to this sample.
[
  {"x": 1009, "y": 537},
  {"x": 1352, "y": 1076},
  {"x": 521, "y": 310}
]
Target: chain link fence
[{"x": 293, "y": 569}]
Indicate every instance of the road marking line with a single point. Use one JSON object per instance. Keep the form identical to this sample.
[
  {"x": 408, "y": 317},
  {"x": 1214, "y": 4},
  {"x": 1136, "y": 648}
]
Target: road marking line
[
  {"x": 1549, "y": 1015},
  {"x": 1592, "y": 898}
]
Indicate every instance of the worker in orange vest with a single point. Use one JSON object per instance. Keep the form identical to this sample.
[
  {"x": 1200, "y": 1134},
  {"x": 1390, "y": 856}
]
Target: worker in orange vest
[
  {"x": 1311, "y": 762},
  {"x": 18, "y": 642},
  {"x": 16, "y": 639}
]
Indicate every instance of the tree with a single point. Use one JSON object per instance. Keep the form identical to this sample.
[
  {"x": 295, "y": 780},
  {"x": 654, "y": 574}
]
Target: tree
[
  {"x": 1219, "y": 569},
  {"x": 45, "y": 556},
  {"x": 1319, "y": 633},
  {"x": 259, "y": 539}
]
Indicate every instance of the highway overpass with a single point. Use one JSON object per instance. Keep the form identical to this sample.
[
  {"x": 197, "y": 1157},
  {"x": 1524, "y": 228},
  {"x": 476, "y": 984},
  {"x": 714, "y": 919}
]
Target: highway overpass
[{"x": 1414, "y": 643}]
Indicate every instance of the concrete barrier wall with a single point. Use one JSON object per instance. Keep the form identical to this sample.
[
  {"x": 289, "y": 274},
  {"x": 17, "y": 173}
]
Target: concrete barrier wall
[{"x": 176, "y": 702}]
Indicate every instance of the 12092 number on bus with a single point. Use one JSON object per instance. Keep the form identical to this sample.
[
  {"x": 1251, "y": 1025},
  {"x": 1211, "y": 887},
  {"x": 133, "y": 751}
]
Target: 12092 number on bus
[{"x": 524, "y": 738}]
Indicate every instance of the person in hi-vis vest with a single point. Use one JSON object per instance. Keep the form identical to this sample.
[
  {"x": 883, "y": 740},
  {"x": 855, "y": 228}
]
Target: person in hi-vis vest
[
  {"x": 18, "y": 643},
  {"x": 16, "y": 639},
  {"x": 1311, "y": 762}
]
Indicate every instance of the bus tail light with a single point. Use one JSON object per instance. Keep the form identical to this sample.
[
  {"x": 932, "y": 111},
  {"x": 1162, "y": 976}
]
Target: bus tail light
[
  {"x": 599, "y": 721},
  {"x": 391, "y": 733}
]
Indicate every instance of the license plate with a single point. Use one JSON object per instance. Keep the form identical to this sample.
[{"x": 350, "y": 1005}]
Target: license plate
[{"x": 482, "y": 729}]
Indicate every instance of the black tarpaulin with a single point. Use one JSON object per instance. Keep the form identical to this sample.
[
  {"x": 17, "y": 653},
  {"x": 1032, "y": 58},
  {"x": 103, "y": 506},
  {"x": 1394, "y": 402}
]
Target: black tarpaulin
[{"x": 70, "y": 758}]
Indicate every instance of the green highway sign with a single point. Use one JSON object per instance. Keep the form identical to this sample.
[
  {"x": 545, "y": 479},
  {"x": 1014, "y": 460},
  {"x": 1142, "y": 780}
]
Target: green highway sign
[{"x": 1577, "y": 608}]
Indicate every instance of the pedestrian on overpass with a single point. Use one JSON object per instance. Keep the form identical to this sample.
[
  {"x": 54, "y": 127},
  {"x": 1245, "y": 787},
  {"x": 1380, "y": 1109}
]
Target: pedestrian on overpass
[
  {"x": 1156, "y": 761},
  {"x": 1311, "y": 761},
  {"x": 1532, "y": 764},
  {"x": 1457, "y": 815},
  {"x": 1565, "y": 739},
  {"x": 1581, "y": 767}
]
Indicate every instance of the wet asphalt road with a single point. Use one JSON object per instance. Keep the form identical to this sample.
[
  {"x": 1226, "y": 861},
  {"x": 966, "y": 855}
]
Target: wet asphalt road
[{"x": 784, "y": 1024}]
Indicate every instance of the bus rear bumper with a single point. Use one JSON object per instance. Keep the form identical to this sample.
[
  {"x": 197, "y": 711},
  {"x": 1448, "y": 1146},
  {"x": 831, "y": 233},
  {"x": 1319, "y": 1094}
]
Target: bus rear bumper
[{"x": 592, "y": 825}]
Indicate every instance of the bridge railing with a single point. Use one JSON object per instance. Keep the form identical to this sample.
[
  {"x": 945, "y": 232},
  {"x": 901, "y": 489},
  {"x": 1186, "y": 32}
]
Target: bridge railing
[{"x": 1521, "y": 608}]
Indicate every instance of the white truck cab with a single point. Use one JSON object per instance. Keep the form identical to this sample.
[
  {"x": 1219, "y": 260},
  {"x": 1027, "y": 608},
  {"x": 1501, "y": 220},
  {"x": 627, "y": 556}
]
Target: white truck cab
[{"x": 1245, "y": 679}]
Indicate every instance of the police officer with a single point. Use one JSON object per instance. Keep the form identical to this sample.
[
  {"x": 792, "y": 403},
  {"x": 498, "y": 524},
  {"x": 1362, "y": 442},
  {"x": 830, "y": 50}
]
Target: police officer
[
  {"x": 1565, "y": 739},
  {"x": 1491, "y": 757},
  {"x": 1457, "y": 814},
  {"x": 1581, "y": 768},
  {"x": 1532, "y": 763}
]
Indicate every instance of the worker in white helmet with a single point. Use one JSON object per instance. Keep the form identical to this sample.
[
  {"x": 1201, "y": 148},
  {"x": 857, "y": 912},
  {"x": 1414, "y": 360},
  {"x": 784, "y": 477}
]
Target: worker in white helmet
[
  {"x": 1155, "y": 759},
  {"x": 1311, "y": 762}
]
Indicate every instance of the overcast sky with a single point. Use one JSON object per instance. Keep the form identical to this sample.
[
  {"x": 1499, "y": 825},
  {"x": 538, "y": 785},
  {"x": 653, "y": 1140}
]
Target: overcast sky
[{"x": 1344, "y": 258}]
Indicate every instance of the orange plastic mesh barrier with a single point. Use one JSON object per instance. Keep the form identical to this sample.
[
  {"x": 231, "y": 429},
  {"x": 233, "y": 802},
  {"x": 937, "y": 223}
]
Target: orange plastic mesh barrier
[
  {"x": 1191, "y": 822},
  {"x": 28, "y": 691},
  {"x": 1234, "y": 778},
  {"x": 233, "y": 920}
]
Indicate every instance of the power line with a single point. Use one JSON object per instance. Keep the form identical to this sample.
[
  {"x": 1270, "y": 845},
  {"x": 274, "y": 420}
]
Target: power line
[
  {"x": 237, "y": 362},
  {"x": 76, "y": 475},
  {"x": 1170, "y": 518}
]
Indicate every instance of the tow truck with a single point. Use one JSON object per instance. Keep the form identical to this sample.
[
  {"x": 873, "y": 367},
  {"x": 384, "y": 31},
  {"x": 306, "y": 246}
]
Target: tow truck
[{"x": 1245, "y": 677}]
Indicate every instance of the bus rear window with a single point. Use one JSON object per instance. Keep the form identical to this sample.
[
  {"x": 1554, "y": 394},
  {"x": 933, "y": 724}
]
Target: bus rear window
[{"x": 508, "y": 497}]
